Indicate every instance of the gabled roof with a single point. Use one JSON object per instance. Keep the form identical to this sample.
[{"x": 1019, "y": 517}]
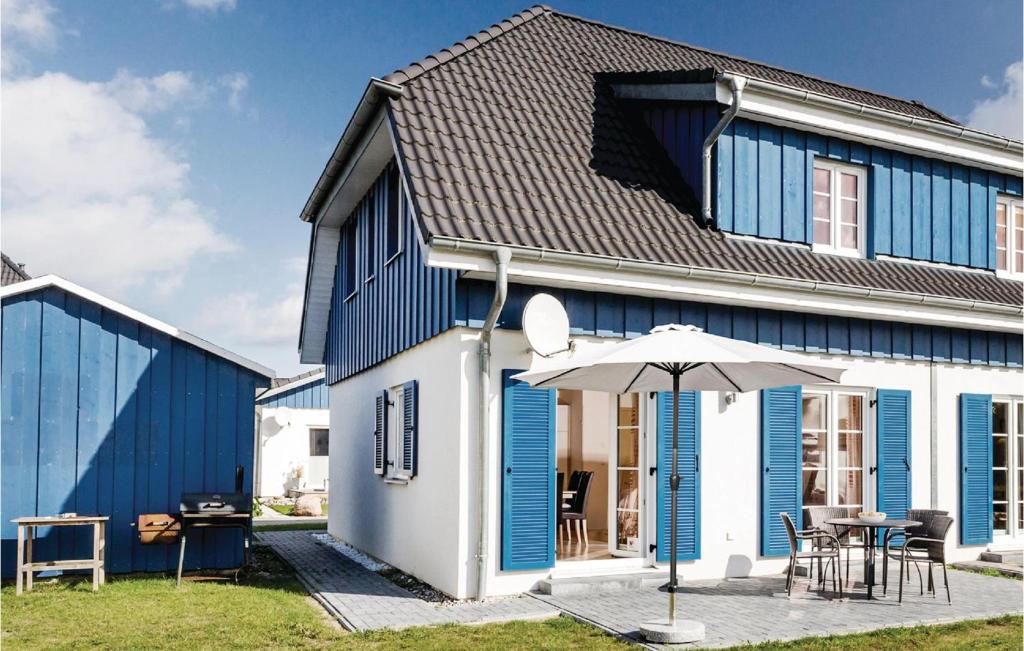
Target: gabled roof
[
  {"x": 43, "y": 282},
  {"x": 283, "y": 384},
  {"x": 11, "y": 272},
  {"x": 509, "y": 137}
]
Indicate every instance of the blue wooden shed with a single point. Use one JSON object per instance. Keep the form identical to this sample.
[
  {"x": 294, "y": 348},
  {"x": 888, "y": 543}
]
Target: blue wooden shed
[{"x": 106, "y": 410}]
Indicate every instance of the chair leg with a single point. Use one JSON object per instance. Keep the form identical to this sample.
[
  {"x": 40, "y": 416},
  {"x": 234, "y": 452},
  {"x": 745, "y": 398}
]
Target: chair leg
[
  {"x": 847, "y": 566},
  {"x": 578, "y": 538},
  {"x": 931, "y": 581},
  {"x": 903, "y": 562},
  {"x": 945, "y": 580},
  {"x": 885, "y": 571},
  {"x": 920, "y": 578},
  {"x": 586, "y": 538},
  {"x": 792, "y": 575}
]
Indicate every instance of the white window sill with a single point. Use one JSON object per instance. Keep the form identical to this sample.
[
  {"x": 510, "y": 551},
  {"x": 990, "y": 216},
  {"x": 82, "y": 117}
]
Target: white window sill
[
  {"x": 397, "y": 481},
  {"x": 846, "y": 253},
  {"x": 1009, "y": 275}
]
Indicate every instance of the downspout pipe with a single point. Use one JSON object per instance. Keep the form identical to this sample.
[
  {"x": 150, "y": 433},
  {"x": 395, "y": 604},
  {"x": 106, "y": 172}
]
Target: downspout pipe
[
  {"x": 736, "y": 84},
  {"x": 502, "y": 256}
]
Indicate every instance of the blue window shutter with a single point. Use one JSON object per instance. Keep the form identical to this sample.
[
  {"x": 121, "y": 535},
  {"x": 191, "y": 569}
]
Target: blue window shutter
[
  {"x": 893, "y": 445},
  {"x": 781, "y": 439},
  {"x": 380, "y": 433},
  {"x": 688, "y": 508},
  {"x": 975, "y": 469},
  {"x": 410, "y": 427},
  {"x": 528, "y": 475}
]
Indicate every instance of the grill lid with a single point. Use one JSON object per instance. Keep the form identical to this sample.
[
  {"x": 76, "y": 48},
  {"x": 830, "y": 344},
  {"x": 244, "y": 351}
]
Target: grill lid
[{"x": 216, "y": 503}]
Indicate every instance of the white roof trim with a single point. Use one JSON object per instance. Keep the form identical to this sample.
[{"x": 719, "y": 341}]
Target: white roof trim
[
  {"x": 309, "y": 379},
  {"x": 56, "y": 281}
]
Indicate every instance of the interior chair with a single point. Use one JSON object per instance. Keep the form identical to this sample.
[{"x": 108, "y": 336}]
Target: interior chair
[
  {"x": 924, "y": 516},
  {"x": 823, "y": 546},
  {"x": 818, "y": 515},
  {"x": 559, "y": 484},
  {"x": 577, "y": 511},
  {"x": 928, "y": 548}
]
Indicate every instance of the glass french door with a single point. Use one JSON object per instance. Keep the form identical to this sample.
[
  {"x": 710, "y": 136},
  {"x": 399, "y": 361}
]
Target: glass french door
[
  {"x": 833, "y": 450},
  {"x": 627, "y": 474},
  {"x": 1007, "y": 468}
]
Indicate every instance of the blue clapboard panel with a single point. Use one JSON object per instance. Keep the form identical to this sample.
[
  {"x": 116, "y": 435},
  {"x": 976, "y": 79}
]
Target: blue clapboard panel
[
  {"x": 814, "y": 333},
  {"x": 311, "y": 395},
  {"x": 104, "y": 415}
]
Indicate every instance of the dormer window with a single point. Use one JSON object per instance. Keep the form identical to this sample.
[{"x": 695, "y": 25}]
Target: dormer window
[
  {"x": 839, "y": 204},
  {"x": 1009, "y": 235}
]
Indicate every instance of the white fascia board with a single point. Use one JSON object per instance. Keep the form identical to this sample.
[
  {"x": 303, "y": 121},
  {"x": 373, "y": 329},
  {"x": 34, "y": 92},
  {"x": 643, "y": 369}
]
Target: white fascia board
[
  {"x": 740, "y": 289},
  {"x": 270, "y": 393},
  {"x": 370, "y": 155},
  {"x": 56, "y": 281},
  {"x": 762, "y": 106}
]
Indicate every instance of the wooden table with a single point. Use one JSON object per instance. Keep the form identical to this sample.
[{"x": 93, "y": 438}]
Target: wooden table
[
  {"x": 26, "y": 535},
  {"x": 869, "y": 552}
]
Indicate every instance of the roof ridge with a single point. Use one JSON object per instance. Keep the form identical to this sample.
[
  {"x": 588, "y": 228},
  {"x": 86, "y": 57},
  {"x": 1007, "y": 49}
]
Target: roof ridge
[
  {"x": 665, "y": 39},
  {"x": 468, "y": 44}
]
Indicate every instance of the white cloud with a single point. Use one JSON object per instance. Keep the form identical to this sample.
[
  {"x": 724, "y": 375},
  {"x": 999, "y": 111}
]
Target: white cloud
[
  {"x": 156, "y": 94},
  {"x": 211, "y": 5},
  {"x": 1002, "y": 114},
  {"x": 236, "y": 84},
  {"x": 26, "y": 23},
  {"x": 251, "y": 319},
  {"x": 90, "y": 193}
]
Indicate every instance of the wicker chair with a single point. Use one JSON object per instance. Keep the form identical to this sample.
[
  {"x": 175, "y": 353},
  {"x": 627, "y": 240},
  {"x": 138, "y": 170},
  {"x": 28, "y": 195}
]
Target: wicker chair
[
  {"x": 818, "y": 515},
  {"x": 927, "y": 546},
  {"x": 925, "y": 517},
  {"x": 824, "y": 546}
]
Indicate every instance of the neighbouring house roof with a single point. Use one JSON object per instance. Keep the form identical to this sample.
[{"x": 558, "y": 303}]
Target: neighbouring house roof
[
  {"x": 43, "y": 282},
  {"x": 510, "y": 137},
  {"x": 11, "y": 272},
  {"x": 281, "y": 385}
]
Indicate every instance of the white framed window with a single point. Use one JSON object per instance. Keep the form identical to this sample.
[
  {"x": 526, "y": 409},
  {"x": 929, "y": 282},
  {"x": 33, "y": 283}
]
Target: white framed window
[
  {"x": 1007, "y": 467},
  {"x": 1010, "y": 235},
  {"x": 839, "y": 209},
  {"x": 396, "y": 425},
  {"x": 834, "y": 448}
]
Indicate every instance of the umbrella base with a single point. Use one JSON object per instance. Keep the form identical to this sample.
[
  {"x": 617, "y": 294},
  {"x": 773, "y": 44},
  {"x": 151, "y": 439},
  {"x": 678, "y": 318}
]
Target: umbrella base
[{"x": 681, "y": 632}]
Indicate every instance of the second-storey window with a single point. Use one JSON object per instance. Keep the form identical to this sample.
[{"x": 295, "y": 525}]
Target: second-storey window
[
  {"x": 839, "y": 204},
  {"x": 1010, "y": 235}
]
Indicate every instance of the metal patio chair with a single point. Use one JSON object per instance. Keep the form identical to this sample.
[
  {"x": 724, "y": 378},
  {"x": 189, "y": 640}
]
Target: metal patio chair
[
  {"x": 924, "y": 516},
  {"x": 818, "y": 516},
  {"x": 928, "y": 548},
  {"x": 827, "y": 548}
]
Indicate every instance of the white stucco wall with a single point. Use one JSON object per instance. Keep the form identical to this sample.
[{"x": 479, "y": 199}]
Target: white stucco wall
[
  {"x": 420, "y": 527},
  {"x": 283, "y": 449},
  {"x": 428, "y": 527}
]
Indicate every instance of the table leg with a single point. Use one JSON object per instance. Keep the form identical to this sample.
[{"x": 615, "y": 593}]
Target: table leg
[
  {"x": 181, "y": 556},
  {"x": 30, "y": 538},
  {"x": 95, "y": 556},
  {"x": 103, "y": 553},
  {"x": 870, "y": 578},
  {"x": 21, "y": 560}
]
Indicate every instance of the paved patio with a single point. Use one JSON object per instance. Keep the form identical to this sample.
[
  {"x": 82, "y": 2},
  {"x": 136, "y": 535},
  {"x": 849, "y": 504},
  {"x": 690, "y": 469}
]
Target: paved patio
[
  {"x": 735, "y": 611},
  {"x": 752, "y": 610},
  {"x": 364, "y": 600}
]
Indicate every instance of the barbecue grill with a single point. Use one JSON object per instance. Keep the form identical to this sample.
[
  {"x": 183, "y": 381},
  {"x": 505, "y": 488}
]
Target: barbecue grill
[{"x": 217, "y": 511}]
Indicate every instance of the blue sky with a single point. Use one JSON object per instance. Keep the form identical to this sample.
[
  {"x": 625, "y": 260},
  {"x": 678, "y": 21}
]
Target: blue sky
[{"x": 160, "y": 151}]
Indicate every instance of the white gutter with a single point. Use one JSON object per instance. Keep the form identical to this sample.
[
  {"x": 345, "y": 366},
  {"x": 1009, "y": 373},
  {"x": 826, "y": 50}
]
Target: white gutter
[
  {"x": 736, "y": 84},
  {"x": 675, "y": 271},
  {"x": 502, "y": 256}
]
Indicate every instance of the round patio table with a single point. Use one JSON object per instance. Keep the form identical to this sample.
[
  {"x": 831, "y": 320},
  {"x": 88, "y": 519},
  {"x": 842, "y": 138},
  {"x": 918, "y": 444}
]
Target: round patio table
[{"x": 869, "y": 560}]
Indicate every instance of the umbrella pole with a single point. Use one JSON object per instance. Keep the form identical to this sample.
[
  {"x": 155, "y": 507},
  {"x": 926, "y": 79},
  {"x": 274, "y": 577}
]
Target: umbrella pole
[{"x": 674, "y": 486}]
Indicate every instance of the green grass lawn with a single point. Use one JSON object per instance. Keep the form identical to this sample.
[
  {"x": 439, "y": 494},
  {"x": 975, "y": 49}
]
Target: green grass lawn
[
  {"x": 269, "y": 609},
  {"x": 286, "y": 509}
]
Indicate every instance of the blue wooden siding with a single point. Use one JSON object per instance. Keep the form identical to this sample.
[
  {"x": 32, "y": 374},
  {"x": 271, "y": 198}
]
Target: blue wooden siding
[
  {"x": 917, "y": 207},
  {"x": 101, "y": 414},
  {"x": 312, "y": 395},
  {"x": 617, "y": 315},
  {"x": 396, "y": 305}
]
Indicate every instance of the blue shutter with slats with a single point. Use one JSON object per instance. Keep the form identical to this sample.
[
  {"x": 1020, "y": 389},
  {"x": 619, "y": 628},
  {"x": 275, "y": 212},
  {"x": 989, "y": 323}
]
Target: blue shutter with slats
[
  {"x": 892, "y": 433},
  {"x": 410, "y": 428},
  {"x": 688, "y": 507},
  {"x": 975, "y": 469},
  {"x": 380, "y": 432},
  {"x": 781, "y": 425},
  {"x": 528, "y": 475}
]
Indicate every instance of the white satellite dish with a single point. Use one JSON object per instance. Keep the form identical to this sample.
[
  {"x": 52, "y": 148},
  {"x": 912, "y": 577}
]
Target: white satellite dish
[
  {"x": 283, "y": 416},
  {"x": 546, "y": 325}
]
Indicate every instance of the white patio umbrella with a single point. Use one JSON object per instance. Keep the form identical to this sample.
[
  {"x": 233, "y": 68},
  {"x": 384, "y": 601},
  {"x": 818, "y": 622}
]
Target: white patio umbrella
[{"x": 680, "y": 358}]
